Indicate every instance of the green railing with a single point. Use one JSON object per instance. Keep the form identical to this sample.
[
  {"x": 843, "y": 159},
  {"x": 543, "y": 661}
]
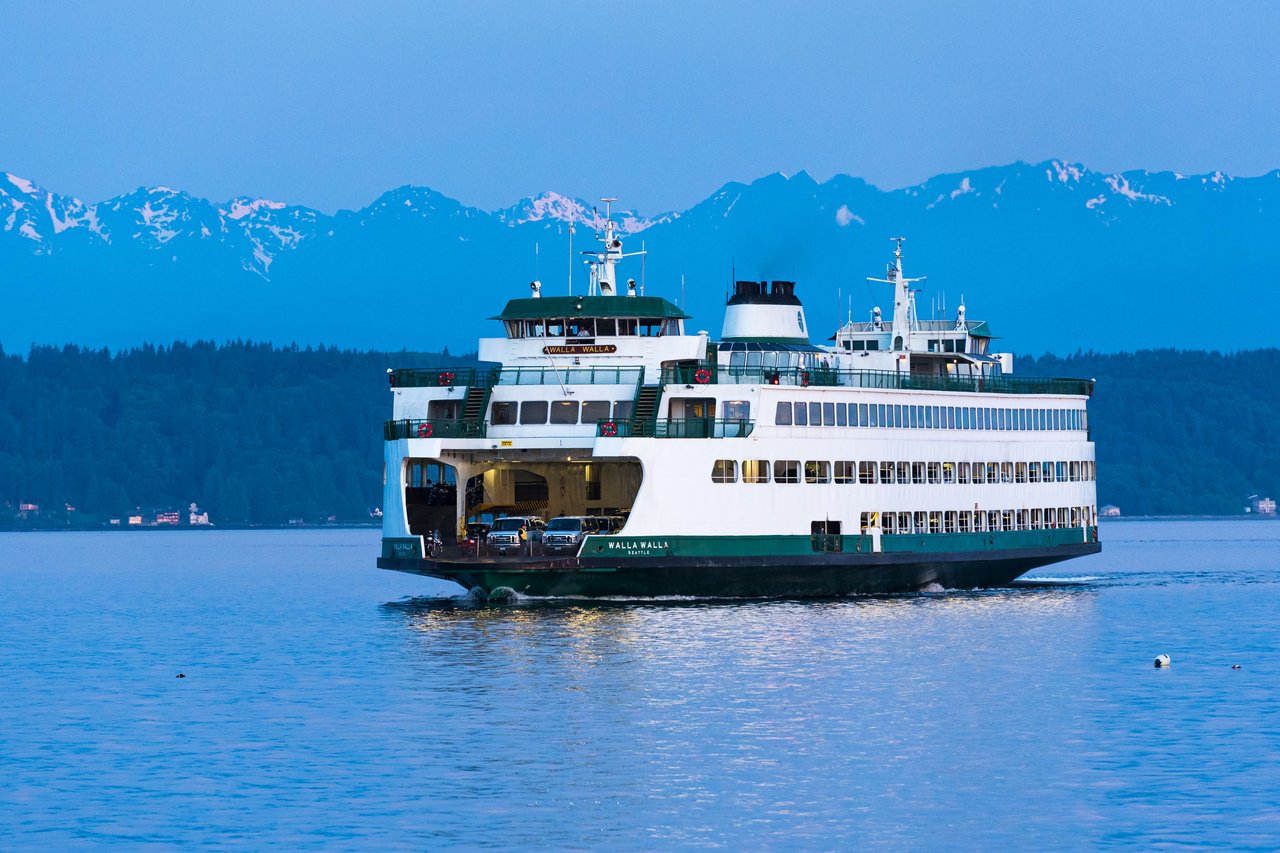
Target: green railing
[
  {"x": 434, "y": 428},
  {"x": 571, "y": 375},
  {"x": 437, "y": 377},
  {"x": 676, "y": 428},
  {"x": 707, "y": 373},
  {"x": 446, "y": 377}
]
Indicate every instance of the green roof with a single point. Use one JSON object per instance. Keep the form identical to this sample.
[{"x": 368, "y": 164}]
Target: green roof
[
  {"x": 550, "y": 307},
  {"x": 981, "y": 330}
]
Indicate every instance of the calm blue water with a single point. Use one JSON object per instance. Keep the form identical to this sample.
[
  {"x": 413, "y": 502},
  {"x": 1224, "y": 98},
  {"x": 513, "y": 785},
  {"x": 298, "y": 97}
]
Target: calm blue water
[{"x": 324, "y": 707}]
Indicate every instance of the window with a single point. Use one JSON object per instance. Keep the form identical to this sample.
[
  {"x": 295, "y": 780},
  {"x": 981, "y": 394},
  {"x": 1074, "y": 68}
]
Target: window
[
  {"x": 735, "y": 410},
  {"x": 920, "y": 522},
  {"x": 564, "y": 412},
  {"x": 783, "y": 416},
  {"x": 979, "y": 521},
  {"x": 888, "y": 523},
  {"x": 802, "y": 414},
  {"x": 1037, "y": 519},
  {"x": 1006, "y": 472},
  {"x": 866, "y": 472},
  {"x": 1046, "y": 472},
  {"x": 1075, "y": 472},
  {"x": 993, "y": 520},
  {"x": 904, "y": 472},
  {"x": 1023, "y": 520},
  {"x": 622, "y": 410},
  {"x": 829, "y": 414},
  {"x": 963, "y": 472},
  {"x": 1062, "y": 472},
  {"x": 886, "y": 472},
  {"x": 1020, "y": 472},
  {"x": 935, "y": 522},
  {"x": 606, "y": 328},
  {"x": 846, "y": 472},
  {"x": 917, "y": 472},
  {"x": 862, "y": 414},
  {"x": 965, "y": 522},
  {"x": 993, "y": 472},
  {"x": 817, "y": 472},
  {"x": 948, "y": 472},
  {"x": 815, "y": 414},
  {"x": 842, "y": 412},
  {"x": 755, "y": 471},
  {"x": 786, "y": 471},
  {"x": 503, "y": 414},
  {"x": 935, "y": 472},
  {"x": 1033, "y": 472},
  {"x": 533, "y": 412},
  {"x": 724, "y": 471},
  {"x": 595, "y": 410},
  {"x": 1006, "y": 519}
]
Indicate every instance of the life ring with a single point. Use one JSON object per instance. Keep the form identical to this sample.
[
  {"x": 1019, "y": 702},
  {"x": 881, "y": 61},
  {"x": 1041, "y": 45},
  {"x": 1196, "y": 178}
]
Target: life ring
[
  {"x": 609, "y": 430},
  {"x": 446, "y": 378},
  {"x": 804, "y": 378},
  {"x": 702, "y": 376},
  {"x": 425, "y": 430}
]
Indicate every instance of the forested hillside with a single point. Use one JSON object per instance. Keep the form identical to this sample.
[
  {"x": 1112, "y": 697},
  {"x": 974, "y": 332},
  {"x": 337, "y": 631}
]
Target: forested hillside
[
  {"x": 1180, "y": 432},
  {"x": 250, "y": 432},
  {"x": 259, "y": 434}
]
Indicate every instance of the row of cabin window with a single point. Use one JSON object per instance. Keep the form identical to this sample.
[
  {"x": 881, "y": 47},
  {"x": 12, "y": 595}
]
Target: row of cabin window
[
  {"x": 559, "y": 411},
  {"x": 980, "y": 521},
  {"x": 871, "y": 473},
  {"x": 590, "y": 327},
  {"x": 894, "y": 415}
]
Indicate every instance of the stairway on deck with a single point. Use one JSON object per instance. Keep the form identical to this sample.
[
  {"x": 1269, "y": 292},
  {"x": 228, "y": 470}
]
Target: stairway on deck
[{"x": 645, "y": 412}]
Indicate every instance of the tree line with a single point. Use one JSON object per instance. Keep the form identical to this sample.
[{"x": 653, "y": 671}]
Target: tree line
[{"x": 267, "y": 435}]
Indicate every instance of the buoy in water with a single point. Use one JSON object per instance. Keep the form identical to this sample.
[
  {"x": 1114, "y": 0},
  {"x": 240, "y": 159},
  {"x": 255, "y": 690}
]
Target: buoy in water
[{"x": 1162, "y": 661}]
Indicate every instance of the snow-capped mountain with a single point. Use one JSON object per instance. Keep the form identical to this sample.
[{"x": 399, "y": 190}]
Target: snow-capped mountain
[{"x": 1056, "y": 255}]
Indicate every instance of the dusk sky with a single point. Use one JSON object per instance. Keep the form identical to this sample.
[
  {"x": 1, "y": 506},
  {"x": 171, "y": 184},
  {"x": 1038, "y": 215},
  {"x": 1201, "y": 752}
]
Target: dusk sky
[{"x": 330, "y": 104}]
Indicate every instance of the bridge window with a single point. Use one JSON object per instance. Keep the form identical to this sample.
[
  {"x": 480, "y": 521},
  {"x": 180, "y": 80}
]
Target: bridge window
[
  {"x": 533, "y": 412},
  {"x": 595, "y": 410},
  {"x": 503, "y": 414},
  {"x": 564, "y": 412}
]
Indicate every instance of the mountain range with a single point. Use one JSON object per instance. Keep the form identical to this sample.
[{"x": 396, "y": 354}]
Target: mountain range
[{"x": 1055, "y": 256}]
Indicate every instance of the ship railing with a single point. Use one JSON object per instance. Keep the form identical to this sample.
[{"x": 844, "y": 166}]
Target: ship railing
[
  {"x": 570, "y": 375},
  {"x": 438, "y": 377},
  {"x": 452, "y": 377},
  {"x": 676, "y": 428},
  {"x": 432, "y": 428},
  {"x": 708, "y": 373}
]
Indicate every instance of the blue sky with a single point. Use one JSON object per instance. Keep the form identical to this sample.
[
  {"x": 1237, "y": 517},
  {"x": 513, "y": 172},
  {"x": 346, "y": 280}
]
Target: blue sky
[{"x": 329, "y": 104}]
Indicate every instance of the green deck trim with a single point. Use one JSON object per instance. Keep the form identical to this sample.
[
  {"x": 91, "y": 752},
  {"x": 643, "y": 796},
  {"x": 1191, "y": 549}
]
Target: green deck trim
[
  {"x": 623, "y": 546},
  {"x": 553, "y": 307}
]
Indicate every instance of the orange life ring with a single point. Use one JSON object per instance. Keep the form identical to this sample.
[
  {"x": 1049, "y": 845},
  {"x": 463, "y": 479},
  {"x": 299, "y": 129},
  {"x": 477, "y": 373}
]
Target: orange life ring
[
  {"x": 609, "y": 430},
  {"x": 703, "y": 376},
  {"x": 425, "y": 430},
  {"x": 446, "y": 378}
]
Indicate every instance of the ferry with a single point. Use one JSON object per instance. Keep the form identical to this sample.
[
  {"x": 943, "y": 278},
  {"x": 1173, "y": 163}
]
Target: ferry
[{"x": 899, "y": 455}]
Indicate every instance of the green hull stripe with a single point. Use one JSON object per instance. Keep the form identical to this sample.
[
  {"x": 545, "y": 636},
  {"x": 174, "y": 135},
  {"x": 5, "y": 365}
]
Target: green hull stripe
[{"x": 624, "y": 547}]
